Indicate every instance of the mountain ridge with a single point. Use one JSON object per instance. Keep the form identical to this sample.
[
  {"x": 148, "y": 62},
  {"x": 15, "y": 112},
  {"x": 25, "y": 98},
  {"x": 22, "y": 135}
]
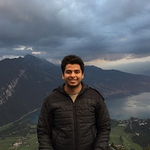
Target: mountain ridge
[{"x": 25, "y": 82}]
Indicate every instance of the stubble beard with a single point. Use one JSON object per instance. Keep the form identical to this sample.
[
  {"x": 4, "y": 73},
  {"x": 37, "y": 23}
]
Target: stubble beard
[{"x": 73, "y": 86}]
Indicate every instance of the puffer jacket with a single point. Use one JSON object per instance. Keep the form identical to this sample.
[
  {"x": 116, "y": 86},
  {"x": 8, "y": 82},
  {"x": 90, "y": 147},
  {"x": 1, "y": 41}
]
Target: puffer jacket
[{"x": 82, "y": 125}]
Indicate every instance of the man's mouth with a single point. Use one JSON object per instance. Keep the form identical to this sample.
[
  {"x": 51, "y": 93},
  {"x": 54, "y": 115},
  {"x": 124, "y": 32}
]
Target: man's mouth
[{"x": 72, "y": 81}]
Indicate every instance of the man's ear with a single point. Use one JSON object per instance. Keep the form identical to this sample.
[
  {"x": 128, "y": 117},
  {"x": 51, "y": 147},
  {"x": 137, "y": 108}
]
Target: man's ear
[
  {"x": 82, "y": 75},
  {"x": 62, "y": 76}
]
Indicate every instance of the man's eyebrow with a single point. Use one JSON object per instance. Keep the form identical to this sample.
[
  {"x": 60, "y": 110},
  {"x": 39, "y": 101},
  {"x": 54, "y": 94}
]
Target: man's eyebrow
[{"x": 72, "y": 69}]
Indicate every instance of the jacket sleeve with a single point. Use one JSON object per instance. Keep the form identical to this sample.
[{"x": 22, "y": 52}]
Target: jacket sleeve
[
  {"x": 103, "y": 126},
  {"x": 44, "y": 126}
]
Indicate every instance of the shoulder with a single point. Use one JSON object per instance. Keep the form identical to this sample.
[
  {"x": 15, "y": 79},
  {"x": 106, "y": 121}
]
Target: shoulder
[
  {"x": 53, "y": 95},
  {"x": 93, "y": 93}
]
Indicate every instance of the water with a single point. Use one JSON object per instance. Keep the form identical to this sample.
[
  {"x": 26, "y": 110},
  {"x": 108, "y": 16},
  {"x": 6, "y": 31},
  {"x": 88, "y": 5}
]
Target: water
[
  {"x": 131, "y": 106},
  {"x": 121, "y": 108}
]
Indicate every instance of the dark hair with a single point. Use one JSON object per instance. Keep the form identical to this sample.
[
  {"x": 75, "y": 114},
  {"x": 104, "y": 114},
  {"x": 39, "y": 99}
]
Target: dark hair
[{"x": 72, "y": 59}]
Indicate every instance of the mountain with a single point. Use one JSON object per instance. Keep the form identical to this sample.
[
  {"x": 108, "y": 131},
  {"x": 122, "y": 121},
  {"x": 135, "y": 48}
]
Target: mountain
[
  {"x": 116, "y": 83},
  {"x": 25, "y": 82},
  {"x": 142, "y": 68}
]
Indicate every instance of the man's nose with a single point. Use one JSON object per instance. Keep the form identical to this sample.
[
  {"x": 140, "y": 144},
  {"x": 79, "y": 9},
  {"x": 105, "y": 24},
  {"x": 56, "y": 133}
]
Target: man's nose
[{"x": 72, "y": 74}]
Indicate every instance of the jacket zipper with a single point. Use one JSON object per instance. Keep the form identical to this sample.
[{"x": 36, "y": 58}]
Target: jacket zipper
[{"x": 75, "y": 125}]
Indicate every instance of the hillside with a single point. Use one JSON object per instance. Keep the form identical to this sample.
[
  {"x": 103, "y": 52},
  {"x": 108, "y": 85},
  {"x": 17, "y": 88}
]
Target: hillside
[
  {"x": 142, "y": 68},
  {"x": 116, "y": 83},
  {"x": 25, "y": 82},
  {"x": 23, "y": 133}
]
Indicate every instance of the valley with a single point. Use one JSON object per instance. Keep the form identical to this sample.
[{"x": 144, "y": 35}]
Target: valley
[{"x": 21, "y": 134}]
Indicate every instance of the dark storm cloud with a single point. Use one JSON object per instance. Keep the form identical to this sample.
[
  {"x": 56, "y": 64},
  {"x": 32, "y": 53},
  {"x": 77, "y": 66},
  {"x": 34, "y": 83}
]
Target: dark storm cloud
[{"x": 91, "y": 29}]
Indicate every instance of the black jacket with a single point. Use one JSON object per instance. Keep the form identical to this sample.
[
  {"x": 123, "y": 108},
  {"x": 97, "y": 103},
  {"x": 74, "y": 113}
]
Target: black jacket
[{"x": 82, "y": 125}]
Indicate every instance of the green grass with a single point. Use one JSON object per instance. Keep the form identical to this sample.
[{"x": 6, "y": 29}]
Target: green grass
[
  {"x": 6, "y": 143},
  {"x": 118, "y": 132},
  {"x": 5, "y": 126},
  {"x": 30, "y": 142}
]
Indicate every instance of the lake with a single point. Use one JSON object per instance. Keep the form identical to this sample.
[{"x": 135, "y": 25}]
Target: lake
[
  {"x": 121, "y": 108},
  {"x": 131, "y": 106}
]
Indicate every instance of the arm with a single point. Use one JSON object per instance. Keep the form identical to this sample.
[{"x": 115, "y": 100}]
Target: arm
[
  {"x": 103, "y": 127},
  {"x": 44, "y": 127}
]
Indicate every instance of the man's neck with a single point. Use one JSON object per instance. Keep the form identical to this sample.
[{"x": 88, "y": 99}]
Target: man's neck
[{"x": 73, "y": 90}]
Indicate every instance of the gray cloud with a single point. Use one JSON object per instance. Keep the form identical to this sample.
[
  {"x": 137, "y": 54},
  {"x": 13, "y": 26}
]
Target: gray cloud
[{"x": 92, "y": 29}]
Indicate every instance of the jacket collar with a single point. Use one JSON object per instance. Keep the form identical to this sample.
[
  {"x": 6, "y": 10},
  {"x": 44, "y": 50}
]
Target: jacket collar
[{"x": 85, "y": 87}]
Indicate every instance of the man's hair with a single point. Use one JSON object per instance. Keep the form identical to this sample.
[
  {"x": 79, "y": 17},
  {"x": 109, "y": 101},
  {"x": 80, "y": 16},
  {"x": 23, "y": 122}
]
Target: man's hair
[{"x": 72, "y": 59}]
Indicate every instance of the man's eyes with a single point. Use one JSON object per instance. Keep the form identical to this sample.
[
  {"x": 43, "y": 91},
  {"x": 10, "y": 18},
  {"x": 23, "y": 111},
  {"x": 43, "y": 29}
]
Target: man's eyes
[
  {"x": 69, "y": 71},
  {"x": 77, "y": 71}
]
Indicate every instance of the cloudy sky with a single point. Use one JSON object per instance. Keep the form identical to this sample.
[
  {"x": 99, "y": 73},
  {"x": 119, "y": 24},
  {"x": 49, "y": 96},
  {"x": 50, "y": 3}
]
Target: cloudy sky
[{"x": 102, "y": 32}]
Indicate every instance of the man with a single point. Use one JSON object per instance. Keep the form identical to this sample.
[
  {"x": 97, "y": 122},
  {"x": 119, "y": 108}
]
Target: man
[{"x": 74, "y": 116}]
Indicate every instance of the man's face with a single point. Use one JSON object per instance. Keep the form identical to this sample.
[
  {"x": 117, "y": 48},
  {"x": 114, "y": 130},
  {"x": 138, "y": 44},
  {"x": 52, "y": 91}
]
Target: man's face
[{"x": 73, "y": 75}]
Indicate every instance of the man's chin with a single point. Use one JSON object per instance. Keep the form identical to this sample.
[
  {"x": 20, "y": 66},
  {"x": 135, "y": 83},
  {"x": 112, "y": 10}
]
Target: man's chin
[{"x": 73, "y": 85}]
